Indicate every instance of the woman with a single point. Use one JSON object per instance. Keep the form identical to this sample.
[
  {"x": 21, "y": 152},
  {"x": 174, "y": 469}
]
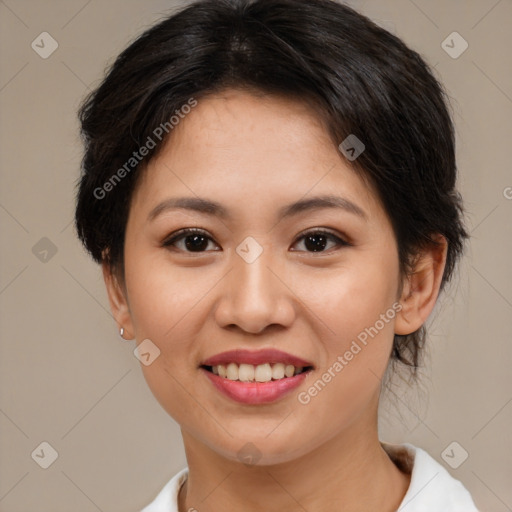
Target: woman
[{"x": 269, "y": 187}]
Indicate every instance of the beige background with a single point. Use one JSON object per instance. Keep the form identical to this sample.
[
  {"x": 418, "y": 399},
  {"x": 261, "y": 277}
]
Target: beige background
[{"x": 68, "y": 379}]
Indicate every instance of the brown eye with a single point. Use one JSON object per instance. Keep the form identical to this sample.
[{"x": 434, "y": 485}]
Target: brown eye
[
  {"x": 195, "y": 240},
  {"x": 317, "y": 240}
]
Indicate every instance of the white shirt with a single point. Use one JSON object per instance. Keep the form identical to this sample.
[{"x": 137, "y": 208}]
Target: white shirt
[{"x": 432, "y": 488}]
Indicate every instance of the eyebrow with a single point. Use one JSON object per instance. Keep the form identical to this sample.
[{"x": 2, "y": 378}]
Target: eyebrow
[{"x": 213, "y": 208}]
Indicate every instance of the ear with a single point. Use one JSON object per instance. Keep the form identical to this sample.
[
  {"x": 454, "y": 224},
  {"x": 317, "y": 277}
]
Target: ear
[
  {"x": 118, "y": 303},
  {"x": 421, "y": 287}
]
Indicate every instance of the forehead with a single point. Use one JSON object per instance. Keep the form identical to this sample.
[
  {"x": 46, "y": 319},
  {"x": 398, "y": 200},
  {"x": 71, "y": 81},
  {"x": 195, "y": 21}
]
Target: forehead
[
  {"x": 251, "y": 147},
  {"x": 245, "y": 123}
]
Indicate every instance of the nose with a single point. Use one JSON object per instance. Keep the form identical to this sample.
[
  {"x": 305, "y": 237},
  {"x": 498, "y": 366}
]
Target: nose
[{"x": 255, "y": 296}]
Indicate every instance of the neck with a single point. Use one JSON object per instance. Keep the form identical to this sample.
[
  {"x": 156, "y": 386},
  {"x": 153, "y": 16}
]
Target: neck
[{"x": 350, "y": 472}]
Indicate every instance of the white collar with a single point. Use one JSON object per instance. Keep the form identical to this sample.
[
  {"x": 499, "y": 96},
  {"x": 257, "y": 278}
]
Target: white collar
[{"x": 431, "y": 487}]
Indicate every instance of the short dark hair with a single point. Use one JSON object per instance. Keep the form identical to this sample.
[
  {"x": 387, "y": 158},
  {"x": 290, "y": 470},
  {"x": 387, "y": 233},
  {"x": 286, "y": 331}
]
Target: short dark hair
[{"x": 361, "y": 79}]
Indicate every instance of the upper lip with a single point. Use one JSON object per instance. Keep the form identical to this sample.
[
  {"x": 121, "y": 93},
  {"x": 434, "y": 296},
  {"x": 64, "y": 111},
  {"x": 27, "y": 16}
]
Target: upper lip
[{"x": 256, "y": 357}]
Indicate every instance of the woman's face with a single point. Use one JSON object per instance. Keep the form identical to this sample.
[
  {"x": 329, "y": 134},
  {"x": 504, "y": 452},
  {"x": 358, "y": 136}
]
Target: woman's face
[{"x": 254, "y": 281}]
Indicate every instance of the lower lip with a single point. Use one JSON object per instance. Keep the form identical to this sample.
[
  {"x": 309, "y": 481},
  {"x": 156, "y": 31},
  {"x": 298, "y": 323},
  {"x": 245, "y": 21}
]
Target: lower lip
[{"x": 255, "y": 392}]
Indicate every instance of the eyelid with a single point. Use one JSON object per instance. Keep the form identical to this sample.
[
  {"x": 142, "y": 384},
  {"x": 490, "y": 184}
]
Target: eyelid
[
  {"x": 326, "y": 231},
  {"x": 181, "y": 233}
]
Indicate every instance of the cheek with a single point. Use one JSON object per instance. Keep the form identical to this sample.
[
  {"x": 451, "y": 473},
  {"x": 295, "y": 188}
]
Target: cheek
[
  {"x": 352, "y": 298},
  {"x": 167, "y": 306},
  {"x": 355, "y": 306},
  {"x": 159, "y": 299},
  {"x": 163, "y": 297}
]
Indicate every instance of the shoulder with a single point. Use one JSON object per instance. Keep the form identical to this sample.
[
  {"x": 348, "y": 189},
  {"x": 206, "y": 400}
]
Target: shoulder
[
  {"x": 431, "y": 487},
  {"x": 167, "y": 498}
]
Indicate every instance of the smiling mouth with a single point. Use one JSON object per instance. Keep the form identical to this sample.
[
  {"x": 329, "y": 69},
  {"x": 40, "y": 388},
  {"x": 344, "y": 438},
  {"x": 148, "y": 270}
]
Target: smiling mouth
[{"x": 266, "y": 372}]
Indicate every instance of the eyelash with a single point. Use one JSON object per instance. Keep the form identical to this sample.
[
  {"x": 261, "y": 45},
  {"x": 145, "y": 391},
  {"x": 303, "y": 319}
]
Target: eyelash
[{"x": 183, "y": 233}]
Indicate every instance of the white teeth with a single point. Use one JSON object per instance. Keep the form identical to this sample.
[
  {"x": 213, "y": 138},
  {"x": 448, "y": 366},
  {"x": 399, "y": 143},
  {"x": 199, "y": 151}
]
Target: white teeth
[
  {"x": 289, "y": 369},
  {"x": 263, "y": 373},
  {"x": 260, "y": 373},
  {"x": 232, "y": 371},
  {"x": 278, "y": 371},
  {"x": 245, "y": 372}
]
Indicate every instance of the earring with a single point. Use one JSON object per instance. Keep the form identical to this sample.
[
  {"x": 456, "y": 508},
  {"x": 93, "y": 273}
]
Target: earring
[{"x": 121, "y": 332}]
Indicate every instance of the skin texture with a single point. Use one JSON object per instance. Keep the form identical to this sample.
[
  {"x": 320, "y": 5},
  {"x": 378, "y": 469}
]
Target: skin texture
[{"x": 255, "y": 155}]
